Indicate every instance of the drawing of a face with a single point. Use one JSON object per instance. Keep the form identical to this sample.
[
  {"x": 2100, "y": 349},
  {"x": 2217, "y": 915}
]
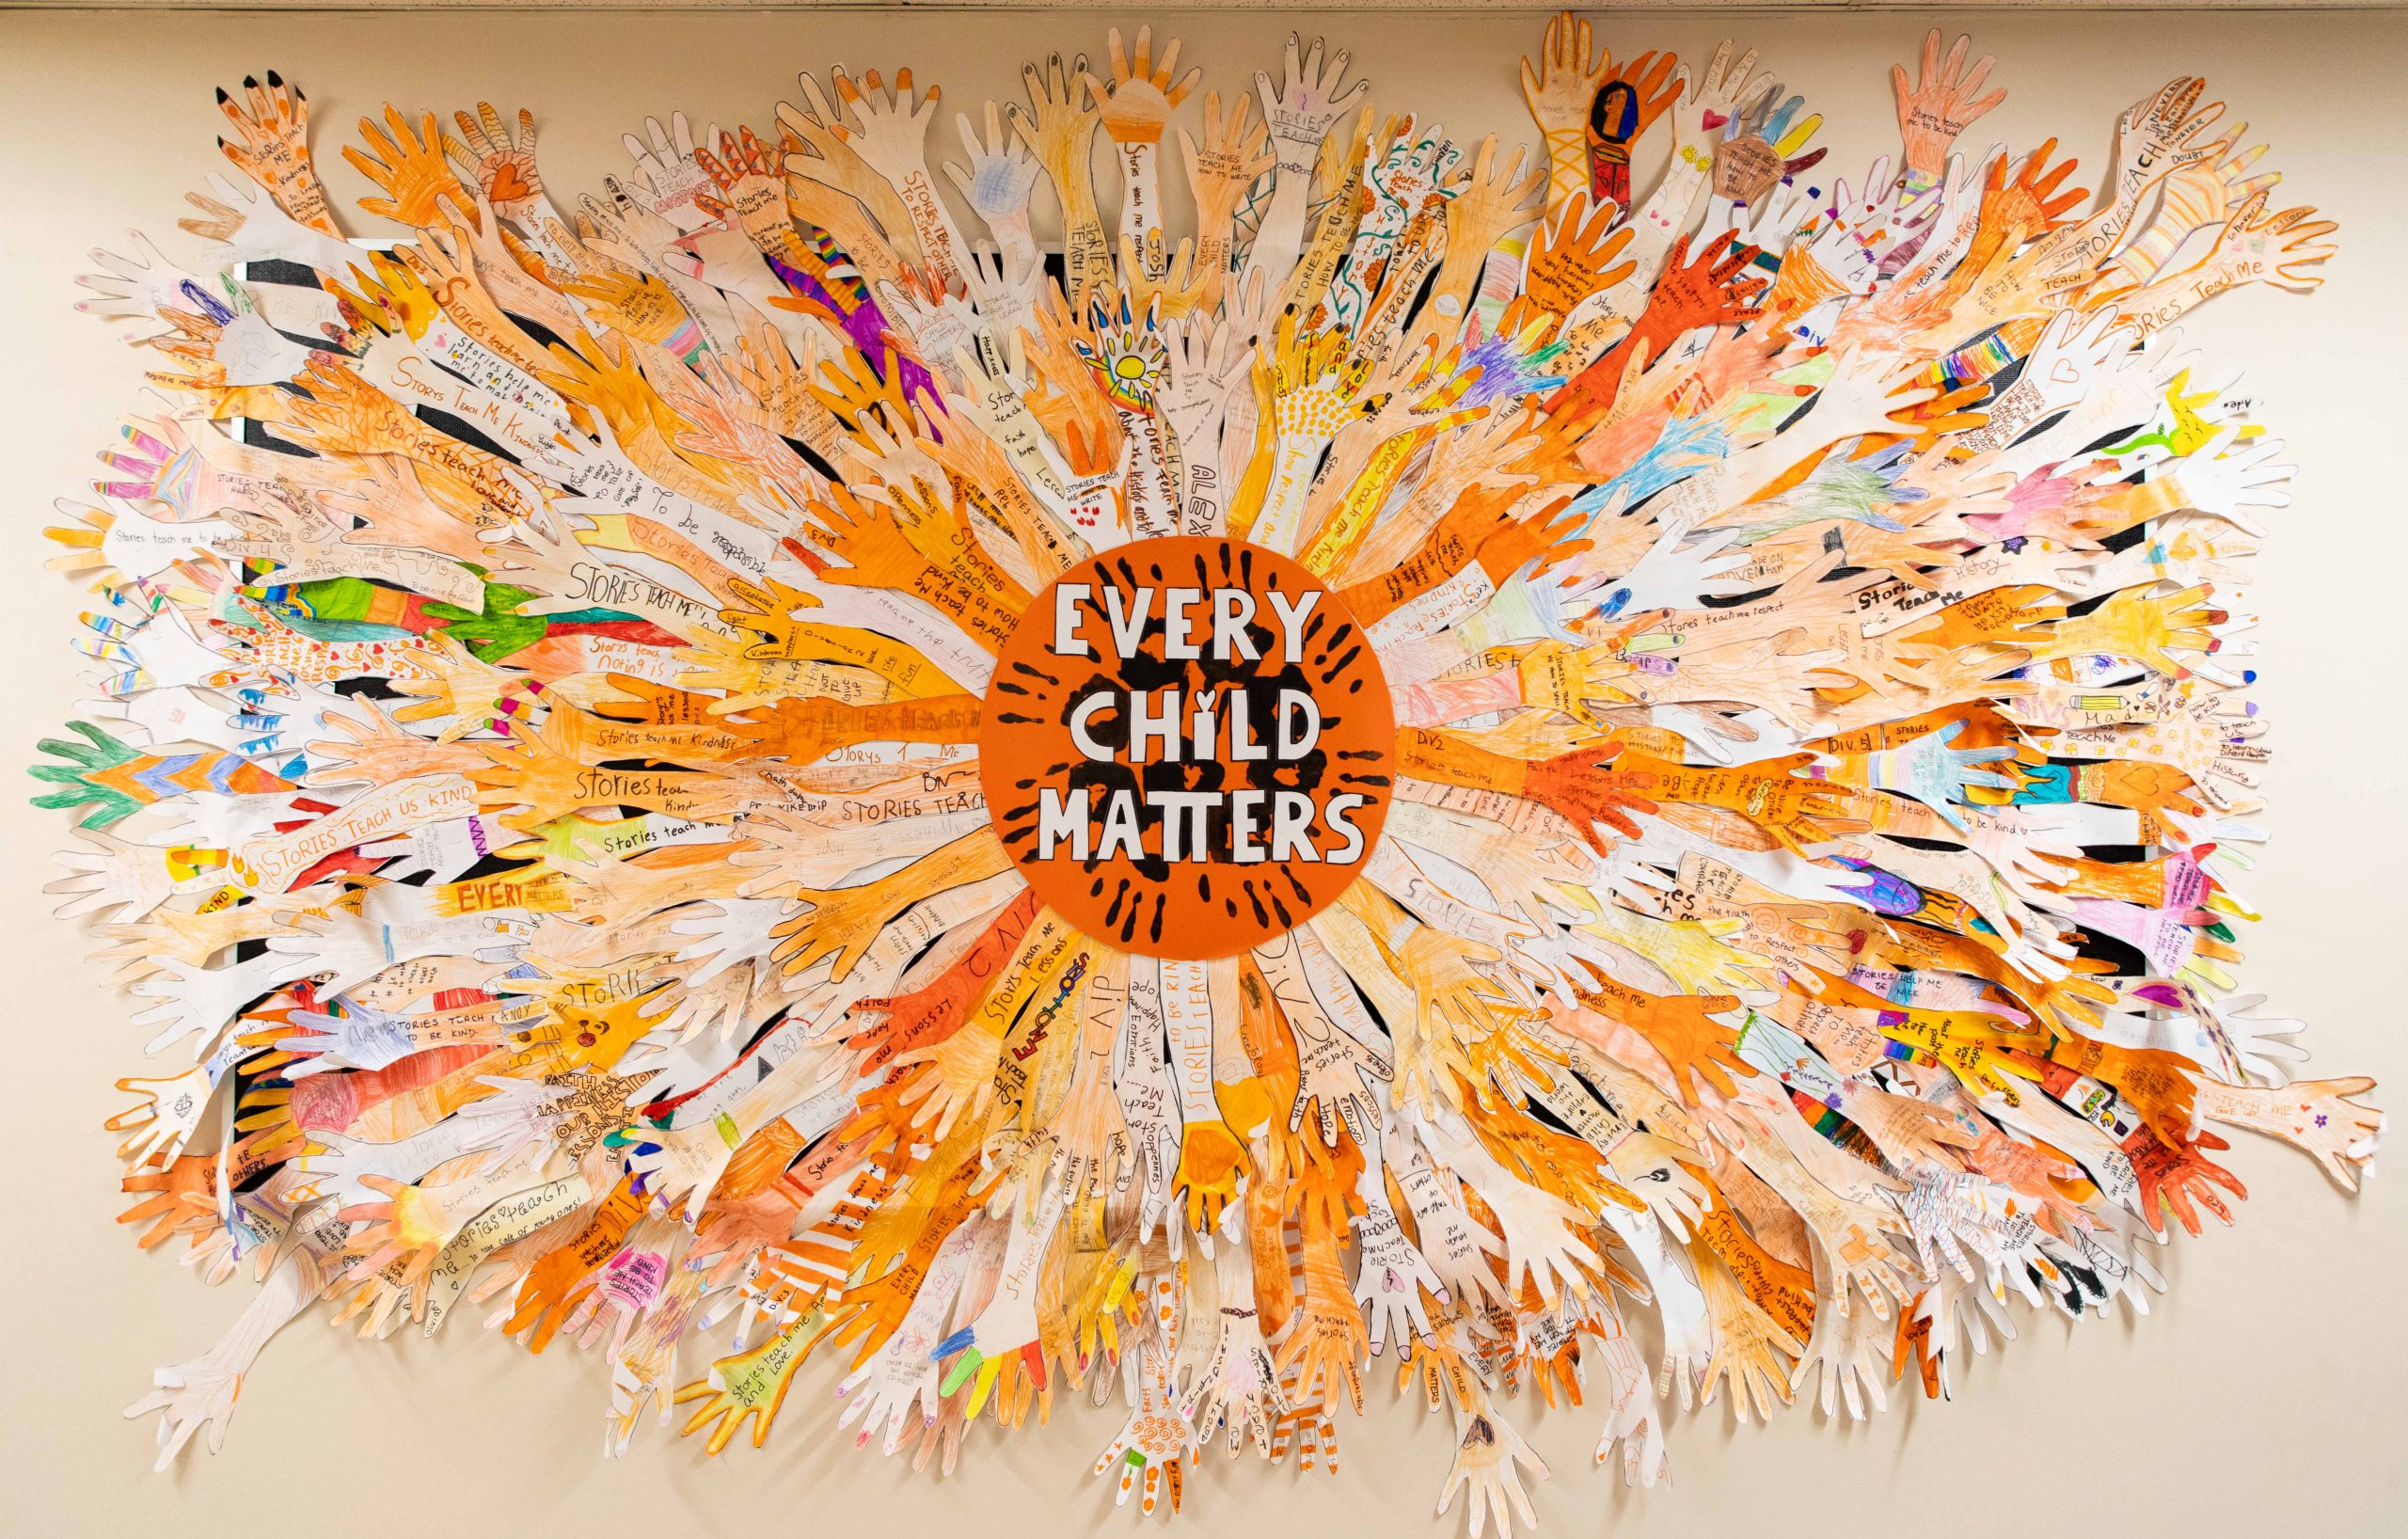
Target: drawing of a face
[{"x": 1613, "y": 119}]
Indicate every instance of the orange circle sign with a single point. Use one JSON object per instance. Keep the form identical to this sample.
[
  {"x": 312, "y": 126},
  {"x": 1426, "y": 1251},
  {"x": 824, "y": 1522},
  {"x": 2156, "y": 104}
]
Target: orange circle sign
[{"x": 1188, "y": 746}]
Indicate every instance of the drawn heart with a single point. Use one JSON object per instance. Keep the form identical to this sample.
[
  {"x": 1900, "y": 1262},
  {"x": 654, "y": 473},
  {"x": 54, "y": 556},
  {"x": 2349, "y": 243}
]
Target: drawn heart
[
  {"x": 2065, "y": 373},
  {"x": 509, "y": 188}
]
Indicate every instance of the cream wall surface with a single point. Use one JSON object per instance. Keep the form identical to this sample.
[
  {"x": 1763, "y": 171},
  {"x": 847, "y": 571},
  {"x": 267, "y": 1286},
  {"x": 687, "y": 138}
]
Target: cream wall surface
[{"x": 2260, "y": 1396}]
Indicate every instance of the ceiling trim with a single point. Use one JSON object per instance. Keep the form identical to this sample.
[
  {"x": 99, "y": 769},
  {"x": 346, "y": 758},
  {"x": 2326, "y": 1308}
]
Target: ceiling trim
[{"x": 1461, "y": 7}]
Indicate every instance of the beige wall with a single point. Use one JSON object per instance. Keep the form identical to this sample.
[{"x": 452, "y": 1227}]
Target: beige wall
[{"x": 2262, "y": 1393}]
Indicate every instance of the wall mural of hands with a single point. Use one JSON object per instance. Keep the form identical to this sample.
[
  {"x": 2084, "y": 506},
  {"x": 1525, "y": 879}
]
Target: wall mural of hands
[{"x": 757, "y": 764}]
